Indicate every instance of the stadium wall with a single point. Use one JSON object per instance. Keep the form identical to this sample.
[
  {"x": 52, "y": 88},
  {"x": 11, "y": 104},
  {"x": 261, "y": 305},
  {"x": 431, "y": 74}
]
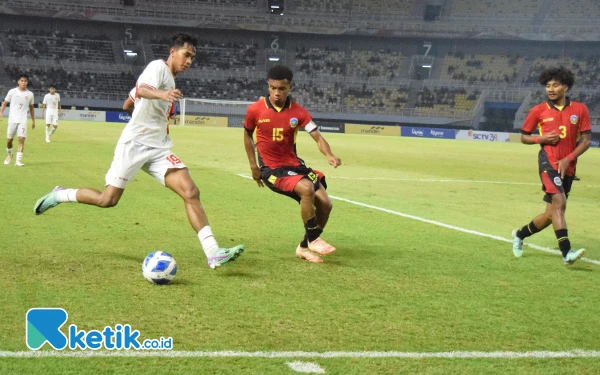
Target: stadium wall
[
  {"x": 421, "y": 132},
  {"x": 342, "y": 128}
]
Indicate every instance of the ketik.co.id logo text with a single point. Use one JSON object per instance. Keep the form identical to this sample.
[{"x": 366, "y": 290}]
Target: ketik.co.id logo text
[{"x": 43, "y": 325}]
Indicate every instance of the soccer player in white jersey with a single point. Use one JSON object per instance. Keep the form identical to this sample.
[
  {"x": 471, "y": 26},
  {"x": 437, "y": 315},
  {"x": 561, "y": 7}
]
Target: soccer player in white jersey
[
  {"x": 51, "y": 105},
  {"x": 145, "y": 144},
  {"x": 21, "y": 101}
]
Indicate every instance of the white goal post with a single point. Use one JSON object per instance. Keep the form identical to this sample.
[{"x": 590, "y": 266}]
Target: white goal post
[{"x": 212, "y": 112}]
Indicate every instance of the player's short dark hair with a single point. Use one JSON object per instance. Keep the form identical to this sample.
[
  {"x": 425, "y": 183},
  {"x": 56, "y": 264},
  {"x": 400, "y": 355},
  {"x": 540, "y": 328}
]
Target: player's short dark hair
[
  {"x": 180, "y": 39},
  {"x": 280, "y": 73},
  {"x": 23, "y": 75},
  {"x": 52, "y": 86},
  {"x": 560, "y": 74}
]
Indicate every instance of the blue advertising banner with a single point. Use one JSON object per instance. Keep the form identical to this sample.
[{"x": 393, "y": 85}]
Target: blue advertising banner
[
  {"x": 117, "y": 117},
  {"x": 595, "y": 143},
  {"x": 409, "y": 131}
]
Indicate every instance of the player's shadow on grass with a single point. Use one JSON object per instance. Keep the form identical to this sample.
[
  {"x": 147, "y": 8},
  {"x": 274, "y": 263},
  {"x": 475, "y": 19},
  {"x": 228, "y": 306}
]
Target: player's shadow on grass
[
  {"x": 128, "y": 257},
  {"x": 180, "y": 281},
  {"x": 580, "y": 268},
  {"x": 236, "y": 273}
]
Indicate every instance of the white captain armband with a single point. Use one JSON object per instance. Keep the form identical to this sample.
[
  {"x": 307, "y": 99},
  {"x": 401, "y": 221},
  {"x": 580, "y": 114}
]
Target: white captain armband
[{"x": 311, "y": 127}]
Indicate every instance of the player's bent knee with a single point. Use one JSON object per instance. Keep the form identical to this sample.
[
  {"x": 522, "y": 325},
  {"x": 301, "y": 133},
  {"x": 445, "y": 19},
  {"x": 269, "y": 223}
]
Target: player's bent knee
[
  {"x": 190, "y": 193},
  {"x": 559, "y": 204},
  {"x": 306, "y": 193},
  {"x": 305, "y": 189}
]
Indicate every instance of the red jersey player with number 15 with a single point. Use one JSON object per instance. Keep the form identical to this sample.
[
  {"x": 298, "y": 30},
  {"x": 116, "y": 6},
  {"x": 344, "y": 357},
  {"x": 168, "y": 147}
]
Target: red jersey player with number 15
[
  {"x": 276, "y": 120},
  {"x": 561, "y": 122}
]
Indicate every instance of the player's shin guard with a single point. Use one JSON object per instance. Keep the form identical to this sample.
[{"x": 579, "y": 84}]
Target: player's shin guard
[
  {"x": 312, "y": 229},
  {"x": 67, "y": 196},
  {"x": 208, "y": 241},
  {"x": 527, "y": 230},
  {"x": 562, "y": 235}
]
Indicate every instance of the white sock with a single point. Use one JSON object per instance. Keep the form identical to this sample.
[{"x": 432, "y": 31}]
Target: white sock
[
  {"x": 47, "y": 131},
  {"x": 67, "y": 195},
  {"x": 208, "y": 241},
  {"x": 52, "y": 131},
  {"x": 19, "y": 156},
  {"x": 9, "y": 151}
]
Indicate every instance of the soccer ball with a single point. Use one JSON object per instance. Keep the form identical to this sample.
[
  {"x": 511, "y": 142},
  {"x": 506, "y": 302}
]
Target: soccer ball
[{"x": 159, "y": 268}]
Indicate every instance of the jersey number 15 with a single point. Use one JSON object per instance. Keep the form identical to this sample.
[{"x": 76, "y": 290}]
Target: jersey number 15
[{"x": 278, "y": 134}]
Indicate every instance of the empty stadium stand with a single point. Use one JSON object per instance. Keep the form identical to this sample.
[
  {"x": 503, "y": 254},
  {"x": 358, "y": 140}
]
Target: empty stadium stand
[{"x": 483, "y": 68}]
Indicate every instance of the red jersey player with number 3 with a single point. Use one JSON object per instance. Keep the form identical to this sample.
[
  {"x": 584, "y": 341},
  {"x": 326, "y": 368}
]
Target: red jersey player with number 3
[
  {"x": 276, "y": 120},
  {"x": 561, "y": 122}
]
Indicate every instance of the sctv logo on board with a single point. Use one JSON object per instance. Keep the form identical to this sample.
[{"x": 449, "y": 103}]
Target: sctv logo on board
[{"x": 43, "y": 326}]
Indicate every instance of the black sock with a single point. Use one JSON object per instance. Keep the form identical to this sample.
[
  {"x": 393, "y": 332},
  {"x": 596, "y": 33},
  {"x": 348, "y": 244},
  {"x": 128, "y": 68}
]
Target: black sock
[
  {"x": 562, "y": 235},
  {"x": 527, "y": 231},
  {"x": 312, "y": 229},
  {"x": 304, "y": 242}
]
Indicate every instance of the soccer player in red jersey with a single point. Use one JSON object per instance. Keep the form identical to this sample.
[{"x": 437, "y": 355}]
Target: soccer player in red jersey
[
  {"x": 561, "y": 122},
  {"x": 277, "y": 119}
]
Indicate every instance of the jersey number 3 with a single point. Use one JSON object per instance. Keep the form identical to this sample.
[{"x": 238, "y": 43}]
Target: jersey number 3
[
  {"x": 278, "y": 134},
  {"x": 563, "y": 131}
]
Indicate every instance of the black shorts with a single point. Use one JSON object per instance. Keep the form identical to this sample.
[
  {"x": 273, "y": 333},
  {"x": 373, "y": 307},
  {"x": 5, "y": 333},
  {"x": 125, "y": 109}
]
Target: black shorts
[
  {"x": 552, "y": 183},
  {"x": 283, "y": 180}
]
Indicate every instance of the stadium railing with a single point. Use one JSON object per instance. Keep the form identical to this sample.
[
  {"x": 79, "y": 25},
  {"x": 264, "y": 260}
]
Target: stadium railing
[{"x": 76, "y": 66}]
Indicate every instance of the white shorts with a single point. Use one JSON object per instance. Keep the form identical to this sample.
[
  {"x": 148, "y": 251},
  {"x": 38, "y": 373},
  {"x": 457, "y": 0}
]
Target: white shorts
[
  {"x": 131, "y": 156},
  {"x": 51, "y": 118},
  {"x": 16, "y": 129}
]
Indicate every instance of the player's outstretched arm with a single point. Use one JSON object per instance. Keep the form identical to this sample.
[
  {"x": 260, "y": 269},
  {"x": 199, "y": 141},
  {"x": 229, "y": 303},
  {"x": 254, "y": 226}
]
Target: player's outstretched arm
[
  {"x": 249, "y": 146},
  {"x": 326, "y": 149}
]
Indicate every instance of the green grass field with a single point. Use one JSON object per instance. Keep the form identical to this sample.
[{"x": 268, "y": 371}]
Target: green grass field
[{"x": 395, "y": 283}]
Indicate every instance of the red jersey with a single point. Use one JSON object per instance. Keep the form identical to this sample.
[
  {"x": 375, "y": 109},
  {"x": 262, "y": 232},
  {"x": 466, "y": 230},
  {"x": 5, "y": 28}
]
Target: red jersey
[
  {"x": 569, "y": 123},
  {"x": 276, "y": 131}
]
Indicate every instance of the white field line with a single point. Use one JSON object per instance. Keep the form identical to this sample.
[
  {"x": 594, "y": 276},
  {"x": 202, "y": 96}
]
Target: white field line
[
  {"x": 306, "y": 367},
  {"x": 445, "y": 180},
  {"x": 439, "y": 224},
  {"x": 577, "y": 353}
]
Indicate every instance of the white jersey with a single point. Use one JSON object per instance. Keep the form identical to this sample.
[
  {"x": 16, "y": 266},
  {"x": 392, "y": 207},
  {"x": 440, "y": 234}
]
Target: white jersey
[
  {"x": 149, "y": 121},
  {"x": 19, "y": 105},
  {"x": 51, "y": 102}
]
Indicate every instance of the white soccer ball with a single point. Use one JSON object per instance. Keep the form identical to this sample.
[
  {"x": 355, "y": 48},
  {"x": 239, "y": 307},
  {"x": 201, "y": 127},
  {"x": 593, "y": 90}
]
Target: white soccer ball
[{"x": 159, "y": 268}]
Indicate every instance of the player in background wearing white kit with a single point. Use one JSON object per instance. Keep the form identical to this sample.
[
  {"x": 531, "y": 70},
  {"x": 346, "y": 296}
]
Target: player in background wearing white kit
[
  {"x": 21, "y": 101},
  {"x": 145, "y": 144},
  {"x": 51, "y": 105}
]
